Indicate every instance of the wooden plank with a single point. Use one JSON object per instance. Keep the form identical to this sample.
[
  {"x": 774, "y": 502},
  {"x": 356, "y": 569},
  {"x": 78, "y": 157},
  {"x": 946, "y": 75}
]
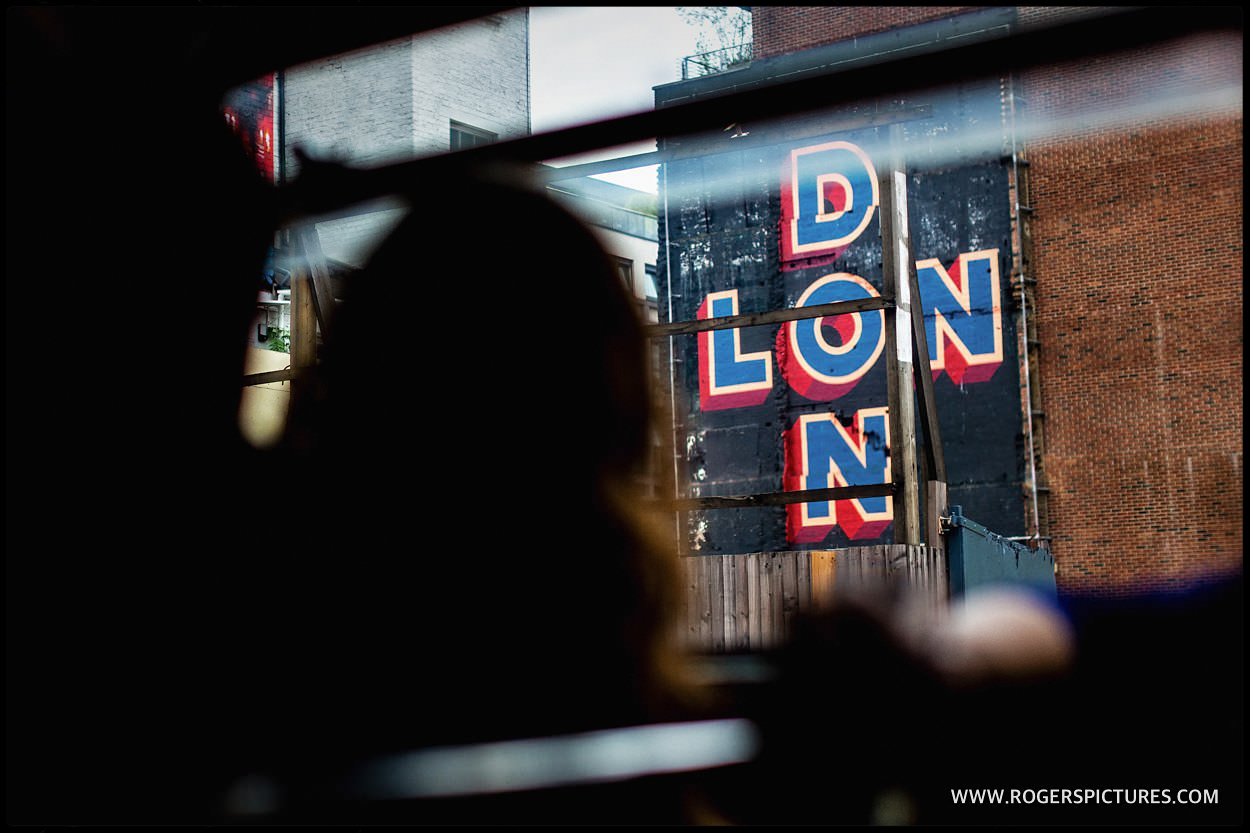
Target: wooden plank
[
  {"x": 690, "y": 565},
  {"x": 918, "y": 567},
  {"x": 742, "y": 603},
  {"x": 929, "y": 558},
  {"x": 850, "y": 572},
  {"x": 756, "y": 319},
  {"x": 755, "y": 615},
  {"x": 911, "y": 575},
  {"x": 876, "y": 568},
  {"x": 804, "y": 568},
  {"x": 729, "y": 628},
  {"x": 938, "y": 587},
  {"x": 892, "y": 554},
  {"x": 843, "y": 572},
  {"x": 824, "y": 577},
  {"x": 267, "y": 377},
  {"x": 899, "y": 565},
  {"x": 870, "y": 573},
  {"x": 902, "y": 566},
  {"x": 789, "y": 575},
  {"x": 783, "y": 498},
  {"x": 716, "y": 603},
  {"x": 776, "y": 602},
  {"x": 926, "y": 580},
  {"x": 762, "y": 607},
  {"x": 680, "y": 622},
  {"x": 767, "y": 632},
  {"x": 918, "y": 572},
  {"x": 703, "y": 604}
]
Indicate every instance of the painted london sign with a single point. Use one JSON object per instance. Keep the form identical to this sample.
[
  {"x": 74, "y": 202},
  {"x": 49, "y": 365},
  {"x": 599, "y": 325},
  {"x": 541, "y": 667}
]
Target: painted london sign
[{"x": 802, "y": 405}]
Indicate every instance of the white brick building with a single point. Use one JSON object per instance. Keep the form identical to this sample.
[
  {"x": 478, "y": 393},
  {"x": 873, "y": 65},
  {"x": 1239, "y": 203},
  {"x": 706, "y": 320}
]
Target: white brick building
[{"x": 405, "y": 99}]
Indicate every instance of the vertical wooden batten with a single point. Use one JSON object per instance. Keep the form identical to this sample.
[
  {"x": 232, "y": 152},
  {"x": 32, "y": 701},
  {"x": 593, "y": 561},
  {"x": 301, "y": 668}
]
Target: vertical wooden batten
[{"x": 896, "y": 264}]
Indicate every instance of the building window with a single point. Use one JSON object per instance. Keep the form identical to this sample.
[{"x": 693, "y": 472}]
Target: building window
[
  {"x": 648, "y": 285},
  {"x": 466, "y": 136},
  {"x": 650, "y": 297},
  {"x": 625, "y": 268}
]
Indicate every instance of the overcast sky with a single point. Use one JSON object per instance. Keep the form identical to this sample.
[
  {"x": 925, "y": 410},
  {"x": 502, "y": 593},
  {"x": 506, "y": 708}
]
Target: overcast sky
[{"x": 590, "y": 63}]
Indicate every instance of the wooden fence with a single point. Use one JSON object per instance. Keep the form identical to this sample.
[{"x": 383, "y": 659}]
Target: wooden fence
[{"x": 750, "y": 602}]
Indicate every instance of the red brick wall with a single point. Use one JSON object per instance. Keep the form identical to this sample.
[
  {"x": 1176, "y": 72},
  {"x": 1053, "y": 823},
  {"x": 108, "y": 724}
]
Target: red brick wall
[
  {"x": 1137, "y": 237},
  {"x": 1047, "y": 15},
  {"x": 777, "y": 30}
]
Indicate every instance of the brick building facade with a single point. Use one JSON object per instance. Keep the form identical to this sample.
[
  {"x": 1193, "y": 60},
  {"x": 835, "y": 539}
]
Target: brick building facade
[
  {"x": 1135, "y": 247},
  {"x": 1137, "y": 243},
  {"x": 778, "y": 30}
]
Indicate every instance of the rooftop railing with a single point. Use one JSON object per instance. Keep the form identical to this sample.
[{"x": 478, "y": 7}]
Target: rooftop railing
[{"x": 718, "y": 60}]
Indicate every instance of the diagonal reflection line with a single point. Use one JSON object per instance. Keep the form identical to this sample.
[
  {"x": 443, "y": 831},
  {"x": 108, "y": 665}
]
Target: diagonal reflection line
[{"x": 566, "y": 760}]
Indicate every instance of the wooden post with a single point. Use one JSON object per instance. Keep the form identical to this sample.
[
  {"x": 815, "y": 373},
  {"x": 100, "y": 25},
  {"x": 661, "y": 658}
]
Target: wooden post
[
  {"x": 934, "y": 509},
  {"x": 303, "y": 326},
  {"x": 896, "y": 262},
  {"x": 318, "y": 274},
  {"x": 934, "y": 457}
]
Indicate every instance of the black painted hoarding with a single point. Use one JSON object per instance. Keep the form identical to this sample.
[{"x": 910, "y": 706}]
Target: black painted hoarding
[{"x": 770, "y": 217}]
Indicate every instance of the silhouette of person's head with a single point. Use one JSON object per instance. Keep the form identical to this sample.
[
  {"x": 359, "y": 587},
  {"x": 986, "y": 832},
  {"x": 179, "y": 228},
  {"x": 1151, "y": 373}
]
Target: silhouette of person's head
[{"x": 475, "y": 430}]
